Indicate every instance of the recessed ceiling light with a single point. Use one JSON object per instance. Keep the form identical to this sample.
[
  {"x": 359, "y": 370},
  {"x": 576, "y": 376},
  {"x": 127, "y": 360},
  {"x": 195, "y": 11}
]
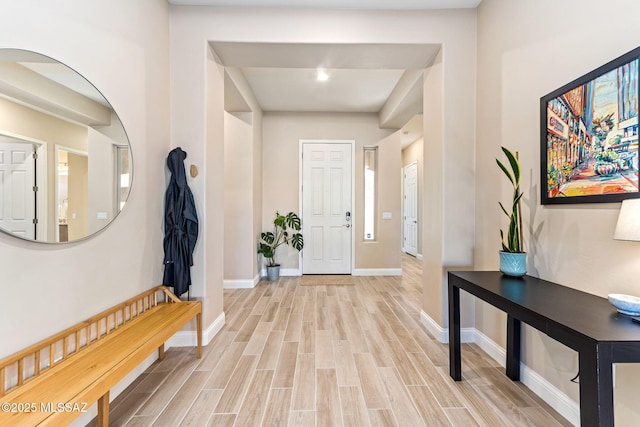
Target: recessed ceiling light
[{"x": 322, "y": 76}]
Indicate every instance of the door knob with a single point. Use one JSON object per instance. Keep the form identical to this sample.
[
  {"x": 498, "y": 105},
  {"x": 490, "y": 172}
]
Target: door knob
[{"x": 347, "y": 225}]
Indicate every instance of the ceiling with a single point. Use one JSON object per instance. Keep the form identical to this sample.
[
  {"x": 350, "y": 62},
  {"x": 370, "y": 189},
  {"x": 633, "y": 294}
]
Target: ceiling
[
  {"x": 362, "y": 78},
  {"x": 338, "y": 4},
  {"x": 46, "y": 85},
  {"x": 385, "y": 79}
]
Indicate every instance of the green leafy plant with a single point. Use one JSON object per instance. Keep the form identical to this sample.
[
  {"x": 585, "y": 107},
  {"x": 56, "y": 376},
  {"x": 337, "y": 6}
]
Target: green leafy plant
[
  {"x": 286, "y": 231},
  {"x": 513, "y": 241}
]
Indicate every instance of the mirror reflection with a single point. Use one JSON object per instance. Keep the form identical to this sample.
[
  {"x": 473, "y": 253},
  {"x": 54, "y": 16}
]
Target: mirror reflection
[{"x": 65, "y": 160}]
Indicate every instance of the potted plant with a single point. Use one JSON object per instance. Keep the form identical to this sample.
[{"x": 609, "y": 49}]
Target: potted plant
[
  {"x": 286, "y": 231},
  {"x": 513, "y": 260}
]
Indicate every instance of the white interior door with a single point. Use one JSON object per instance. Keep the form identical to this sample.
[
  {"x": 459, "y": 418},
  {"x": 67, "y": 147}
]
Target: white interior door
[
  {"x": 17, "y": 181},
  {"x": 411, "y": 209},
  {"x": 327, "y": 218}
]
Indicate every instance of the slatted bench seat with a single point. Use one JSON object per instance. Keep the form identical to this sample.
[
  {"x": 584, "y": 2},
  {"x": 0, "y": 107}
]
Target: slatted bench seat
[{"x": 54, "y": 381}]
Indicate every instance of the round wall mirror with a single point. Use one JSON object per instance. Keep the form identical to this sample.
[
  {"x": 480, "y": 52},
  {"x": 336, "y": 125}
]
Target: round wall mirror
[{"x": 65, "y": 159}]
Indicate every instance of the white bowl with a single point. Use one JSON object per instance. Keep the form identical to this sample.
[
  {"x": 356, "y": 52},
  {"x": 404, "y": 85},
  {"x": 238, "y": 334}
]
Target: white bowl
[{"x": 626, "y": 304}]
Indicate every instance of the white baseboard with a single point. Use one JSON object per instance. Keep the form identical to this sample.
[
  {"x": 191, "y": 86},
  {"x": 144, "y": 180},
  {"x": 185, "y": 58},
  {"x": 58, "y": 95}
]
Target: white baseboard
[
  {"x": 296, "y": 272},
  {"x": 490, "y": 347},
  {"x": 377, "y": 272},
  {"x": 190, "y": 339},
  {"x": 289, "y": 272},
  {"x": 284, "y": 272},
  {"x": 554, "y": 397},
  {"x": 442, "y": 334},
  {"x": 419, "y": 257},
  {"x": 241, "y": 284}
]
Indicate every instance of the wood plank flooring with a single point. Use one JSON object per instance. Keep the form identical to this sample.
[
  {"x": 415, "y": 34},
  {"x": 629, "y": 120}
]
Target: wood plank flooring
[{"x": 292, "y": 355}]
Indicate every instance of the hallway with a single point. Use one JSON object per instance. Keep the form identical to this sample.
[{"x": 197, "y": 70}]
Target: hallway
[{"x": 328, "y": 356}]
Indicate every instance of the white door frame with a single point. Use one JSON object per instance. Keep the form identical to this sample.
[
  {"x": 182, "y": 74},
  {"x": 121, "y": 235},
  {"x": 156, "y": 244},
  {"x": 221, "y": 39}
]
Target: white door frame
[{"x": 351, "y": 142}]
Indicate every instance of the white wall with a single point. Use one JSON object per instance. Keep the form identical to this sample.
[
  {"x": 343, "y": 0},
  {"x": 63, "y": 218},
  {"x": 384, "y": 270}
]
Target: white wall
[
  {"x": 208, "y": 257},
  {"x": 50, "y": 287},
  {"x": 526, "y": 50},
  {"x": 102, "y": 179},
  {"x": 245, "y": 168},
  {"x": 384, "y": 252},
  {"x": 238, "y": 198},
  {"x": 448, "y": 180},
  {"x": 257, "y": 184}
]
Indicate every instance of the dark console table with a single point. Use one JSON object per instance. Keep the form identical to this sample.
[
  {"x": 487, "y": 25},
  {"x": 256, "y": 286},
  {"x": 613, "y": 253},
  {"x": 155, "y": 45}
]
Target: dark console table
[{"x": 584, "y": 322}]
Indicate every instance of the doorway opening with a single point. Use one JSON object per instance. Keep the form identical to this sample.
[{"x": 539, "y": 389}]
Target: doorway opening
[{"x": 72, "y": 194}]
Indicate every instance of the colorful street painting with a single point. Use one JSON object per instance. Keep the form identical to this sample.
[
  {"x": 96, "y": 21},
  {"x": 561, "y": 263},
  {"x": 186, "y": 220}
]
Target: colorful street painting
[{"x": 592, "y": 137}]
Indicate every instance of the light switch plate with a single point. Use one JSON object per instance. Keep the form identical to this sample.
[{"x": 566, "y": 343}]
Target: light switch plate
[
  {"x": 102, "y": 215},
  {"x": 386, "y": 215}
]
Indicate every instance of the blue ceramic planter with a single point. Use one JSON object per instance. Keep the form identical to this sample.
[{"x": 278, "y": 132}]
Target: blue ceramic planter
[{"x": 513, "y": 263}]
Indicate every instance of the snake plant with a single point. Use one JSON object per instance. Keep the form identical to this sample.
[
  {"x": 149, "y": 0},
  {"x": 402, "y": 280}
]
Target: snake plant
[{"x": 513, "y": 242}]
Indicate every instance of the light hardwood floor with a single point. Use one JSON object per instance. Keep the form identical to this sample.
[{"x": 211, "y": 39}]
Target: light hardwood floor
[{"x": 293, "y": 355}]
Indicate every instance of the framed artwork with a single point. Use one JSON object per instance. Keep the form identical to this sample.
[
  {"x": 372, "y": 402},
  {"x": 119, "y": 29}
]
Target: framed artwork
[{"x": 589, "y": 136}]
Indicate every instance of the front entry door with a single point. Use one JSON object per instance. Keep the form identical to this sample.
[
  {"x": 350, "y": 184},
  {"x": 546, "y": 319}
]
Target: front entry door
[{"x": 327, "y": 216}]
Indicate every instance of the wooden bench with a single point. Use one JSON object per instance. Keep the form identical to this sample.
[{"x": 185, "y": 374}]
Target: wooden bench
[{"x": 54, "y": 381}]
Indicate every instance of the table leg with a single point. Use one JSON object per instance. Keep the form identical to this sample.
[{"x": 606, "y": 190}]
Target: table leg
[
  {"x": 513, "y": 348},
  {"x": 596, "y": 386},
  {"x": 455, "y": 364}
]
